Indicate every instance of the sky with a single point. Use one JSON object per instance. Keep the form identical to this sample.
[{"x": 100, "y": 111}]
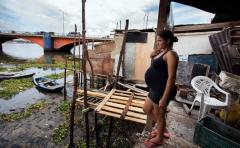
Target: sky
[{"x": 102, "y": 16}]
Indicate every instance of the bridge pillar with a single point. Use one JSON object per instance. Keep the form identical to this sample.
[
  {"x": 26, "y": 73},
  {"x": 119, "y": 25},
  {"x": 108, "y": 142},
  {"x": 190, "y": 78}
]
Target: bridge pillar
[{"x": 47, "y": 42}]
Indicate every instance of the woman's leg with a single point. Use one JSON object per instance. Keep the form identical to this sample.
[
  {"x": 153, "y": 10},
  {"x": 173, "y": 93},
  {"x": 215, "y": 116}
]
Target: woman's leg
[
  {"x": 148, "y": 109},
  {"x": 159, "y": 113}
]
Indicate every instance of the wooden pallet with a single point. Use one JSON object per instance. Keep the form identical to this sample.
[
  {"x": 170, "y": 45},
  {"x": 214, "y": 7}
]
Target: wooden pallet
[
  {"x": 93, "y": 102},
  {"x": 123, "y": 105}
]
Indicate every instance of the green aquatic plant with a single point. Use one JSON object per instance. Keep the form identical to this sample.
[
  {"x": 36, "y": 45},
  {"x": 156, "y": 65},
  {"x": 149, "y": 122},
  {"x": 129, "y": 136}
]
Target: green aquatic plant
[
  {"x": 20, "y": 115},
  {"x": 60, "y": 133},
  {"x": 82, "y": 144},
  {"x": 3, "y": 69},
  {"x": 57, "y": 64},
  {"x": 60, "y": 75},
  {"x": 13, "y": 86},
  {"x": 64, "y": 107}
]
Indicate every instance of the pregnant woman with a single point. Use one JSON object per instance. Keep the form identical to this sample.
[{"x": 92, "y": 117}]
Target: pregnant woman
[{"x": 160, "y": 78}]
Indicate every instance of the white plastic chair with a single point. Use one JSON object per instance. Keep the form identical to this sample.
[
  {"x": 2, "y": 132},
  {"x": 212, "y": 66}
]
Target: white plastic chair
[{"x": 203, "y": 85}]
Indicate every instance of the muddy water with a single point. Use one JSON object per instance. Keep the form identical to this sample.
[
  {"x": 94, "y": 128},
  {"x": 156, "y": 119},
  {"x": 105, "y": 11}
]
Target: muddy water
[
  {"x": 21, "y": 100},
  {"x": 12, "y": 55}
]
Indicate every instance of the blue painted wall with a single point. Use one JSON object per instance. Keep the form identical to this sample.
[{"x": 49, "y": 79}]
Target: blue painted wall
[{"x": 204, "y": 59}]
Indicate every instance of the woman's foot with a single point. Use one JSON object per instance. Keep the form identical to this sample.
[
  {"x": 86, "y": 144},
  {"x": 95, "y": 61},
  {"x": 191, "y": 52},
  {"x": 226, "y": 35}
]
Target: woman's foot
[
  {"x": 154, "y": 133},
  {"x": 152, "y": 143}
]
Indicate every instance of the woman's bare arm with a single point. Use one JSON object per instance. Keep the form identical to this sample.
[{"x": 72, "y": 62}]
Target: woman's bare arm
[{"x": 172, "y": 62}]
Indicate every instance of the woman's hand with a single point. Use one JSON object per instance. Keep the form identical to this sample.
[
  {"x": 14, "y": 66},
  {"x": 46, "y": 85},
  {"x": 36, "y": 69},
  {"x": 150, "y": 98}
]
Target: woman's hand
[{"x": 162, "y": 103}]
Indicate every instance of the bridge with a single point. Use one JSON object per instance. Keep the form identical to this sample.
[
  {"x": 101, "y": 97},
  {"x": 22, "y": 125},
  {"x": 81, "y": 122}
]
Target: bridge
[{"x": 49, "y": 41}]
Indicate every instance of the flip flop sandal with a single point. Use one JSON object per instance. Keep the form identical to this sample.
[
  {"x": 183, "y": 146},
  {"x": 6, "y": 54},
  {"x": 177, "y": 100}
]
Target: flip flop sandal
[
  {"x": 153, "y": 134},
  {"x": 150, "y": 144}
]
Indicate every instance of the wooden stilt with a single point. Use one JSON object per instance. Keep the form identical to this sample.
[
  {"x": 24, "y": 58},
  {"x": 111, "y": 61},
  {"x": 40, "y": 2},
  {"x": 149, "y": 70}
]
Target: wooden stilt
[
  {"x": 84, "y": 71},
  {"x": 96, "y": 129},
  {"x": 110, "y": 132},
  {"x": 65, "y": 75},
  {"x": 71, "y": 143},
  {"x": 121, "y": 53}
]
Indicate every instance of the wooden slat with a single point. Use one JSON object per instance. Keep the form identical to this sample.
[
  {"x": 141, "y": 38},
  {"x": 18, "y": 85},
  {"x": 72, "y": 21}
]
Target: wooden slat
[
  {"x": 136, "y": 109},
  {"x": 119, "y": 111},
  {"x": 140, "y": 94},
  {"x": 141, "y": 98},
  {"x": 132, "y": 88},
  {"x": 112, "y": 109},
  {"x": 117, "y": 101},
  {"x": 105, "y": 100},
  {"x": 137, "y": 115},
  {"x": 91, "y": 105},
  {"x": 115, "y": 105},
  {"x": 118, "y": 116},
  {"x": 136, "y": 120},
  {"x": 125, "y": 110},
  {"x": 119, "y": 97},
  {"x": 122, "y": 94},
  {"x": 109, "y": 114},
  {"x": 121, "y": 91},
  {"x": 136, "y": 104},
  {"x": 137, "y": 101},
  {"x": 94, "y": 94}
]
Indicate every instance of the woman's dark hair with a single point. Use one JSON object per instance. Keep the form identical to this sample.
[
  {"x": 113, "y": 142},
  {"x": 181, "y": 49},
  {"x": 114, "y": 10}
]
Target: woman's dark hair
[{"x": 168, "y": 35}]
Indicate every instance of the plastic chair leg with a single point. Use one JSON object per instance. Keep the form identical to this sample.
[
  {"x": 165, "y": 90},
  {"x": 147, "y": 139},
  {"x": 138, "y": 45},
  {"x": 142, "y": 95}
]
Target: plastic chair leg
[
  {"x": 192, "y": 106},
  {"x": 204, "y": 111}
]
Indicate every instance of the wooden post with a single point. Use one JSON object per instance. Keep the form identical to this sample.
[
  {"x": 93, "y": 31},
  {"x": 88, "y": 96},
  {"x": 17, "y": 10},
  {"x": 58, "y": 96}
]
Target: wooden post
[
  {"x": 117, "y": 75},
  {"x": 65, "y": 79},
  {"x": 121, "y": 53},
  {"x": 96, "y": 129},
  {"x": 163, "y": 12},
  {"x": 71, "y": 126},
  {"x": 84, "y": 72},
  {"x": 79, "y": 52},
  {"x": 110, "y": 132}
]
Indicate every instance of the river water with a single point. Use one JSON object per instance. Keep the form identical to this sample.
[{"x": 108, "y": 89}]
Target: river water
[{"x": 13, "y": 54}]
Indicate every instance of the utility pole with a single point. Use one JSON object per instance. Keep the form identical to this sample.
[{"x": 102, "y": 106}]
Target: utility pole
[{"x": 62, "y": 20}]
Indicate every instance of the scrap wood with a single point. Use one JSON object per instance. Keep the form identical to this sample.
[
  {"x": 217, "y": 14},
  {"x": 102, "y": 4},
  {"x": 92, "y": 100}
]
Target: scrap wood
[
  {"x": 127, "y": 107},
  {"x": 186, "y": 109},
  {"x": 114, "y": 104},
  {"x": 123, "y": 105},
  {"x": 105, "y": 100},
  {"x": 132, "y": 88},
  {"x": 122, "y": 95},
  {"x": 92, "y": 101}
]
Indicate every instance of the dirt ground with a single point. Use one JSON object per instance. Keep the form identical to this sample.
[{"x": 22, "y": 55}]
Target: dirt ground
[
  {"x": 36, "y": 131},
  {"x": 33, "y": 131},
  {"x": 180, "y": 125}
]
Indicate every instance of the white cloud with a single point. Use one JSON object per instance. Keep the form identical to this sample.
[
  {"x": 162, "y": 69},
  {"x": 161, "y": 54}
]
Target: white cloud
[
  {"x": 189, "y": 15},
  {"x": 101, "y": 15}
]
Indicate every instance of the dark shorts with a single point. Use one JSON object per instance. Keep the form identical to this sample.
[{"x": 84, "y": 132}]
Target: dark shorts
[{"x": 155, "y": 96}]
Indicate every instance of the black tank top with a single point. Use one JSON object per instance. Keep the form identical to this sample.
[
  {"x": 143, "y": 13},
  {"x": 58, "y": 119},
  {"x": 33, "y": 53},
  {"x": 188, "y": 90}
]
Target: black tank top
[{"x": 156, "y": 78}]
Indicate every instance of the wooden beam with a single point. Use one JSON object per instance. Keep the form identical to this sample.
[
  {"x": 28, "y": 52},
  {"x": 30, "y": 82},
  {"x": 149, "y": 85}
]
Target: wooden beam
[
  {"x": 105, "y": 100},
  {"x": 202, "y": 27},
  {"x": 132, "y": 88},
  {"x": 121, "y": 53},
  {"x": 163, "y": 12}
]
